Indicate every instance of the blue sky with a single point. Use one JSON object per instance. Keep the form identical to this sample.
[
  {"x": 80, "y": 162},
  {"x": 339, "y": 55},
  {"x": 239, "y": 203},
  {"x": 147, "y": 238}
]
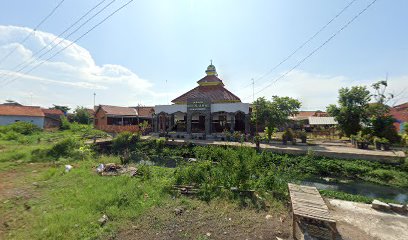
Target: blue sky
[{"x": 129, "y": 58}]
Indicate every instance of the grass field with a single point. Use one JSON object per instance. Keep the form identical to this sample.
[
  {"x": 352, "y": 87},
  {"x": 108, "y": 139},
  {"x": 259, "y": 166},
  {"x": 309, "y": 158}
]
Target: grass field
[{"x": 39, "y": 200}]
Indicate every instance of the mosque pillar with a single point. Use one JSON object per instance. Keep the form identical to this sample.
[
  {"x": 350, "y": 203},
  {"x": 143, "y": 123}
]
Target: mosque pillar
[
  {"x": 189, "y": 118},
  {"x": 154, "y": 123},
  {"x": 171, "y": 125},
  {"x": 232, "y": 115},
  {"x": 247, "y": 123},
  {"x": 208, "y": 124}
]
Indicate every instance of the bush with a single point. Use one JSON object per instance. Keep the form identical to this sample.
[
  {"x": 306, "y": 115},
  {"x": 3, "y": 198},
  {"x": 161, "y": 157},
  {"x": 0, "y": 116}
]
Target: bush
[
  {"x": 288, "y": 135},
  {"x": 382, "y": 174},
  {"x": 11, "y": 135},
  {"x": 24, "y": 128},
  {"x": 124, "y": 141},
  {"x": 65, "y": 124},
  {"x": 65, "y": 148}
]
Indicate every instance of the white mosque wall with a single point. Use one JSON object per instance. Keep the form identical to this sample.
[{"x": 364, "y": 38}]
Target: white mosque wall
[{"x": 216, "y": 107}]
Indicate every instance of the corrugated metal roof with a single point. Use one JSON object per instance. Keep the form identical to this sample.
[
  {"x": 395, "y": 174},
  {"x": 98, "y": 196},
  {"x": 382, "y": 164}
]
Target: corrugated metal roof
[
  {"x": 118, "y": 111},
  {"x": 322, "y": 121}
]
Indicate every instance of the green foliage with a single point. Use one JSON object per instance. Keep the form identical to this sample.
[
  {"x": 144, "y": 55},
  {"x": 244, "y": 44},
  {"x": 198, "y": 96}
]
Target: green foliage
[
  {"x": 143, "y": 126},
  {"x": 352, "y": 109},
  {"x": 382, "y": 174},
  {"x": 72, "y": 203},
  {"x": 24, "y": 128},
  {"x": 288, "y": 135},
  {"x": 346, "y": 196},
  {"x": 81, "y": 115},
  {"x": 269, "y": 132},
  {"x": 274, "y": 113},
  {"x": 123, "y": 144},
  {"x": 64, "y": 109},
  {"x": 68, "y": 148},
  {"x": 65, "y": 124}
]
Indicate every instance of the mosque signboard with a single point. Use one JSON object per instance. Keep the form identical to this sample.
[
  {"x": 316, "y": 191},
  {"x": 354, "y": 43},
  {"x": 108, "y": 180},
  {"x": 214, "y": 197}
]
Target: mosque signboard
[{"x": 198, "y": 105}]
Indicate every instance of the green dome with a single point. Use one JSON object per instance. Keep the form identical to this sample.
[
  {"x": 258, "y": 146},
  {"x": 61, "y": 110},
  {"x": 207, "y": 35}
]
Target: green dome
[{"x": 211, "y": 71}]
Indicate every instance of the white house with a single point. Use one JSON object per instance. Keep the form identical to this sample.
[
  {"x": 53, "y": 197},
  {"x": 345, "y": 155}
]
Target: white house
[{"x": 15, "y": 113}]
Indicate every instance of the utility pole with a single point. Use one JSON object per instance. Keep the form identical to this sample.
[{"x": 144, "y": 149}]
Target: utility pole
[
  {"x": 94, "y": 100},
  {"x": 253, "y": 90},
  {"x": 256, "y": 112},
  {"x": 93, "y": 117}
]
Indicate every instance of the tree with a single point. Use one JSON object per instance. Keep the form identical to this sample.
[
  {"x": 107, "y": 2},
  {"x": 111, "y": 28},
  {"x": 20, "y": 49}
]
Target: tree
[
  {"x": 276, "y": 112},
  {"x": 352, "y": 109},
  {"x": 381, "y": 123},
  {"x": 81, "y": 115},
  {"x": 64, "y": 109}
]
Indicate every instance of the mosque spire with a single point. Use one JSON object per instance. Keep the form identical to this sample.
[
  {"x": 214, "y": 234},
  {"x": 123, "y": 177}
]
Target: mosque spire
[{"x": 211, "y": 71}]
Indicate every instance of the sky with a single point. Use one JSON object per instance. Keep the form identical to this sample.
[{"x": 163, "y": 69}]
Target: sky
[{"x": 152, "y": 51}]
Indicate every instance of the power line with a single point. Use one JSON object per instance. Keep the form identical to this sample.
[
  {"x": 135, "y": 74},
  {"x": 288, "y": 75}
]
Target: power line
[
  {"x": 55, "y": 38},
  {"x": 318, "y": 48},
  {"x": 304, "y": 43},
  {"x": 35, "y": 29},
  {"x": 77, "y": 39},
  {"x": 62, "y": 40}
]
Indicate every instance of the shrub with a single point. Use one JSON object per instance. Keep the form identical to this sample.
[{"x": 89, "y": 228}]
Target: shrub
[
  {"x": 124, "y": 141},
  {"x": 24, "y": 128},
  {"x": 39, "y": 155},
  {"x": 382, "y": 174},
  {"x": 288, "y": 135},
  {"x": 64, "y": 148},
  {"x": 11, "y": 135},
  {"x": 65, "y": 124}
]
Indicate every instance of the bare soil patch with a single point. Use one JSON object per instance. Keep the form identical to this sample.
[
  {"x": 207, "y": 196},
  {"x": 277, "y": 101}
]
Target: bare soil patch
[
  {"x": 194, "y": 219},
  {"x": 360, "y": 221}
]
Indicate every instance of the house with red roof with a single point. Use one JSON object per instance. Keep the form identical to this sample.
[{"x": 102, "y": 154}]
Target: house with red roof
[
  {"x": 42, "y": 117},
  {"x": 209, "y": 108},
  {"x": 400, "y": 113},
  {"x": 115, "y": 119},
  {"x": 52, "y": 118},
  {"x": 15, "y": 113}
]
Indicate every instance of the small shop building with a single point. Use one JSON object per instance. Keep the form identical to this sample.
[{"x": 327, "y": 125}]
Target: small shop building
[{"x": 207, "y": 110}]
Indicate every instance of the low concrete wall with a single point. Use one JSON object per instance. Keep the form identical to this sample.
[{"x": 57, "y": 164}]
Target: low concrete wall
[{"x": 118, "y": 128}]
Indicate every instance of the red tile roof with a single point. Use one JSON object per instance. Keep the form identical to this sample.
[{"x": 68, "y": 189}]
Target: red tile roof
[
  {"x": 215, "y": 94},
  {"x": 211, "y": 79},
  {"x": 14, "y": 110},
  {"x": 118, "y": 111},
  {"x": 52, "y": 111}
]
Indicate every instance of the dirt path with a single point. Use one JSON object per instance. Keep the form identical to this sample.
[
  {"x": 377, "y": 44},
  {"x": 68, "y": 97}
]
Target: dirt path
[
  {"x": 198, "y": 220},
  {"x": 358, "y": 221}
]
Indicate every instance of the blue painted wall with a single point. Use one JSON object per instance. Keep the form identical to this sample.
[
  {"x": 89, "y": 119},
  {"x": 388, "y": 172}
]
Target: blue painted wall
[{"x": 6, "y": 120}]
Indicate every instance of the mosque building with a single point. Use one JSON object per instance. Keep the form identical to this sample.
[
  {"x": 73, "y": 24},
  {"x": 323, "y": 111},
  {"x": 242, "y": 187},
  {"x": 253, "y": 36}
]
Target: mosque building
[{"x": 208, "y": 110}]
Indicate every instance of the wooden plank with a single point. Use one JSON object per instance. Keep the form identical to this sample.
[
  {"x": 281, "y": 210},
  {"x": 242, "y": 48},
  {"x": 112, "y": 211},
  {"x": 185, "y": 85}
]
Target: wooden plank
[{"x": 307, "y": 202}]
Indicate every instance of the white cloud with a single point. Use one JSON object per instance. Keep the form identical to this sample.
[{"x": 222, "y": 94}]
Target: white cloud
[
  {"x": 69, "y": 78},
  {"x": 317, "y": 91}
]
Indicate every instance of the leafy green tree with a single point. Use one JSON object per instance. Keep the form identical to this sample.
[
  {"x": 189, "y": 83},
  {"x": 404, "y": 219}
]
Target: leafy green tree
[
  {"x": 352, "y": 110},
  {"x": 64, "y": 109},
  {"x": 380, "y": 122},
  {"x": 276, "y": 112},
  {"x": 81, "y": 115}
]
